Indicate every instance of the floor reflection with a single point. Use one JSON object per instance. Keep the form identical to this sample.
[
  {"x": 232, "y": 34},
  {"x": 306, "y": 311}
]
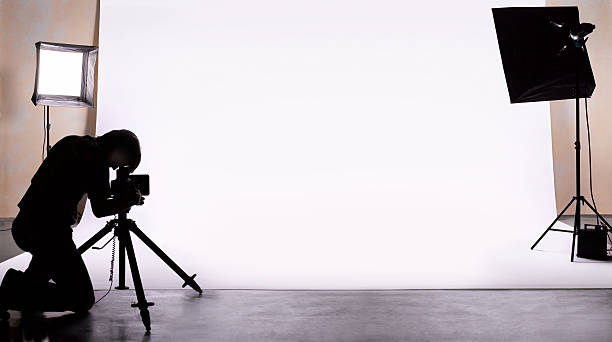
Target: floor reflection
[{"x": 47, "y": 327}]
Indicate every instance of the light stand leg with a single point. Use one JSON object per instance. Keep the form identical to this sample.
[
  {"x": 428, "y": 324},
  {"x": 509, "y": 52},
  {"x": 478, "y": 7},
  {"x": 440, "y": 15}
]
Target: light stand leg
[
  {"x": 553, "y": 223},
  {"x": 187, "y": 279},
  {"x": 142, "y": 304},
  {"x": 608, "y": 226}
]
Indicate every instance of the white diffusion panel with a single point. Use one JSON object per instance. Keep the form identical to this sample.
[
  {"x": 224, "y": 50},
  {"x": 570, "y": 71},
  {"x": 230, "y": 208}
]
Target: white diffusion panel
[
  {"x": 330, "y": 144},
  {"x": 60, "y": 72}
]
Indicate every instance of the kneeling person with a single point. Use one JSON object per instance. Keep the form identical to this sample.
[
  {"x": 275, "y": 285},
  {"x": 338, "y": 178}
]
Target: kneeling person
[{"x": 76, "y": 166}]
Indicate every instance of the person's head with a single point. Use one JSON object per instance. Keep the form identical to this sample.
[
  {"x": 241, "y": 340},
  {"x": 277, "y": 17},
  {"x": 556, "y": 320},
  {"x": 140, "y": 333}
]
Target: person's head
[{"x": 121, "y": 148}]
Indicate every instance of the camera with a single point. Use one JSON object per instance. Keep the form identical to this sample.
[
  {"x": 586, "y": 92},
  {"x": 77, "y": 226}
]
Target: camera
[{"x": 125, "y": 179}]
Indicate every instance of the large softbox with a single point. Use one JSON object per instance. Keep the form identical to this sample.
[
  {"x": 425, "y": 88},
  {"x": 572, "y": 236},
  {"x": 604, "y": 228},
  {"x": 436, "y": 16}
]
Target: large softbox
[
  {"x": 64, "y": 75},
  {"x": 538, "y": 56}
]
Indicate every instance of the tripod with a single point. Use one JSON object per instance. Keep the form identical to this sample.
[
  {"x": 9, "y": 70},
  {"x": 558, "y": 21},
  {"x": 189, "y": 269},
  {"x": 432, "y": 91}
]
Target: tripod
[
  {"x": 122, "y": 227},
  {"x": 578, "y": 198}
]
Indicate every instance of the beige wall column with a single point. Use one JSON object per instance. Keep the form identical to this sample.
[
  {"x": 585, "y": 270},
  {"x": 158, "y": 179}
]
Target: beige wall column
[
  {"x": 23, "y": 23},
  {"x": 600, "y": 116}
]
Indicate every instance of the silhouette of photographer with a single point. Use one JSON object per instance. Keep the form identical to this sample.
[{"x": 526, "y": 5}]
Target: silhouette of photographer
[{"x": 76, "y": 166}]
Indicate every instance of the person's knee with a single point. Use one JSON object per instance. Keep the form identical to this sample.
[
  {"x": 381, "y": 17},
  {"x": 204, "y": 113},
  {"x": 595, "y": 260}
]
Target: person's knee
[{"x": 83, "y": 302}]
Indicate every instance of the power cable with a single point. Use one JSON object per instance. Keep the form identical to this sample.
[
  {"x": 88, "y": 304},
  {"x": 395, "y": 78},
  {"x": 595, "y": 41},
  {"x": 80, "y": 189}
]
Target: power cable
[
  {"x": 586, "y": 110},
  {"x": 112, "y": 270}
]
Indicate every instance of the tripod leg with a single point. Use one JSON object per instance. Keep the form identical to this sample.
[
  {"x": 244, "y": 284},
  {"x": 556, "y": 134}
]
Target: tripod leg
[
  {"x": 99, "y": 235},
  {"x": 553, "y": 222},
  {"x": 142, "y": 304},
  {"x": 188, "y": 280},
  {"x": 121, "y": 285}
]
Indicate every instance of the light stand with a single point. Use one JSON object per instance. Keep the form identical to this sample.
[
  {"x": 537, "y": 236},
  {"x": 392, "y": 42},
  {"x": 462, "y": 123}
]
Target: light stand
[
  {"x": 65, "y": 76},
  {"x": 578, "y": 198},
  {"x": 545, "y": 59}
]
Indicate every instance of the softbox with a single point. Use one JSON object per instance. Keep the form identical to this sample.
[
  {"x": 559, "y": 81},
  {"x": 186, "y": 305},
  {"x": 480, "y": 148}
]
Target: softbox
[
  {"x": 64, "y": 75},
  {"x": 540, "y": 59}
]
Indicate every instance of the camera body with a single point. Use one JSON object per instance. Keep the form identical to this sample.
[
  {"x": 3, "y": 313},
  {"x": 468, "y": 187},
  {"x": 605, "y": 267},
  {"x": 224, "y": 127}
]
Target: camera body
[{"x": 125, "y": 179}]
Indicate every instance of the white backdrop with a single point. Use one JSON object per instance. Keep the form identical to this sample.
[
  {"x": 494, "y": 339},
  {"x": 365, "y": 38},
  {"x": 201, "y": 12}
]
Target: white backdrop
[{"x": 330, "y": 144}]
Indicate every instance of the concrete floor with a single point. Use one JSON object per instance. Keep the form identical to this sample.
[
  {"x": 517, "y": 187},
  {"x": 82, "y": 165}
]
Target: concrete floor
[
  {"x": 411, "y": 315},
  {"x": 8, "y": 248}
]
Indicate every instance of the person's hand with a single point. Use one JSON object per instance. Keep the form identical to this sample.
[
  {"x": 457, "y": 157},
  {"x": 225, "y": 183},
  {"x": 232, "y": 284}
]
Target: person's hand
[
  {"x": 134, "y": 197},
  {"x": 142, "y": 198}
]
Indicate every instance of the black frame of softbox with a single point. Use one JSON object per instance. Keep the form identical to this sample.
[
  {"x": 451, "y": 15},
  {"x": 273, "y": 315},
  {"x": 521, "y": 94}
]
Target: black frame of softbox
[
  {"x": 86, "y": 98},
  {"x": 540, "y": 61}
]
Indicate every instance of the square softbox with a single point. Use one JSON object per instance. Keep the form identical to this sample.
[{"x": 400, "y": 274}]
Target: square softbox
[
  {"x": 64, "y": 75},
  {"x": 539, "y": 58}
]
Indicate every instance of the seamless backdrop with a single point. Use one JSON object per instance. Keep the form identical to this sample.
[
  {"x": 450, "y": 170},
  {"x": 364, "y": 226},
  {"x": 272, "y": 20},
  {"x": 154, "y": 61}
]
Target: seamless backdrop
[{"x": 330, "y": 144}]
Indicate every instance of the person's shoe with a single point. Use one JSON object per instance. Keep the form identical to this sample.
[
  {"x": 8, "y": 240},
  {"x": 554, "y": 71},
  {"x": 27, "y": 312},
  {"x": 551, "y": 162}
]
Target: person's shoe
[
  {"x": 4, "y": 315},
  {"x": 10, "y": 282}
]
